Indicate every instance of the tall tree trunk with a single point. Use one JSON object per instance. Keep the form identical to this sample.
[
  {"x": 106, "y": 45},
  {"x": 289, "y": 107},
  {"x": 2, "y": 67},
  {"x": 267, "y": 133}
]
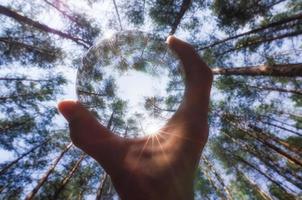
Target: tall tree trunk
[
  {"x": 64, "y": 13},
  {"x": 25, "y": 20},
  {"x": 117, "y": 14},
  {"x": 183, "y": 9},
  {"x": 283, "y": 128},
  {"x": 14, "y": 42},
  {"x": 2, "y": 187},
  {"x": 12, "y": 163},
  {"x": 101, "y": 188},
  {"x": 91, "y": 93},
  {"x": 290, "y": 113},
  {"x": 80, "y": 196},
  {"x": 268, "y": 161},
  {"x": 218, "y": 191},
  {"x": 278, "y": 70},
  {"x": 257, "y": 30},
  {"x": 218, "y": 177},
  {"x": 280, "y": 121},
  {"x": 105, "y": 175},
  {"x": 13, "y": 125},
  {"x": 261, "y": 40},
  {"x": 16, "y": 96},
  {"x": 279, "y": 170},
  {"x": 274, "y": 3},
  {"x": 24, "y": 79},
  {"x": 245, "y": 162},
  {"x": 277, "y": 89},
  {"x": 257, "y": 136},
  {"x": 44, "y": 178},
  {"x": 278, "y": 150},
  {"x": 254, "y": 185},
  {"x": 126, "y": 132},
  {"x": 281, "y": 142},
  {"x": 67, "y": 178}
]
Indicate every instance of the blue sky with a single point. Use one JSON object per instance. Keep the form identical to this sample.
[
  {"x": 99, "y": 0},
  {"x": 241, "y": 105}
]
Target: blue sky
[{"x": 132, "y": 86}]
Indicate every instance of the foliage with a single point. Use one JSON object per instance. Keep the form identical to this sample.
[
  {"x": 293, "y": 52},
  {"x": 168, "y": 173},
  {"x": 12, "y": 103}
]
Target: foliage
[{"x": 254, "y": 149}]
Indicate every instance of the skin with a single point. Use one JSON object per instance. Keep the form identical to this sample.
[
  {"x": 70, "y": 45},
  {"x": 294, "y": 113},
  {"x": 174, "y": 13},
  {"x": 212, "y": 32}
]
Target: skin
[{"x": 160, "y": 166}]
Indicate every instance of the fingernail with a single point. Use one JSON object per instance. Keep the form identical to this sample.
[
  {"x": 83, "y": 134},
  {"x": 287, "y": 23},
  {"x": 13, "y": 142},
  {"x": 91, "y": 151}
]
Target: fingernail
[
  {"x": 67, "y": 108},
  {"x": 168, "y": 39}
]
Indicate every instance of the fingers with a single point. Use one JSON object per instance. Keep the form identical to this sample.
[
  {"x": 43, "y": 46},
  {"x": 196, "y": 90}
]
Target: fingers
[
  {"x": 85, "y": 131},
  {"x": 90, "y": 136},
  {"x": 193, "y": 111},
  {"x": 184, "y": 51},
  {"x": 196, "y": 71},
  {"x": 198, "y": 76},
  {"x": 70, "y": 110}
]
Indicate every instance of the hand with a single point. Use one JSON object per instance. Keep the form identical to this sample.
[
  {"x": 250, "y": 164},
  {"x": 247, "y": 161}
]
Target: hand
[{"x": 160, "y": 166}]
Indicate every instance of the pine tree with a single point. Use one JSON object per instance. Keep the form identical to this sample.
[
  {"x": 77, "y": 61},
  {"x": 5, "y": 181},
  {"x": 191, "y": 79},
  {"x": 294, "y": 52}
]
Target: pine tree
[
  {"x": 44, "y": 177},
  {"x": 253, "y": 48},
  {"x": 25, "y": 20}
]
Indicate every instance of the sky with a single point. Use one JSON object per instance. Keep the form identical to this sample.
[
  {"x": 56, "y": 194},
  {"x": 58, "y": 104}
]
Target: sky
[{"x": 132, "y": 85}]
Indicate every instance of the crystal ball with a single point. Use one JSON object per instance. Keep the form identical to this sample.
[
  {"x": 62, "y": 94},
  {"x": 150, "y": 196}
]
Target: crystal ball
[{"x": 132, "y": 82}]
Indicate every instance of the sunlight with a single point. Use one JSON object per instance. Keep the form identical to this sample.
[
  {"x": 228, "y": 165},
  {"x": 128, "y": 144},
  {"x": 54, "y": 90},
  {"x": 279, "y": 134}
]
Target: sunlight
[
  {"x": 128, "y": 64},
  {"x": 133, "y": 83},
  {"x": 152, "y": 127}
]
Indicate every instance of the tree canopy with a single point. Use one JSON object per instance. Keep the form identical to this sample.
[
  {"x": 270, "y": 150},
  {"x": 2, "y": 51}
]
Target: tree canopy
[{"x": 254, "y": 49}]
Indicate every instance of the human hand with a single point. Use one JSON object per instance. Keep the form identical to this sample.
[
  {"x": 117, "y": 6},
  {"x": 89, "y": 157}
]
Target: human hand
[{"x": 159, "y": 166}]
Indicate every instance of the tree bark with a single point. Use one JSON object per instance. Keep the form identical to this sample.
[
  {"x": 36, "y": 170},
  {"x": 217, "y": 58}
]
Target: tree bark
[
  {"x": 100, "y": 191},
  {"x": 206, "y": 173},
  {"x": 183, "y": 9},
  {"x": 105, "y": 175},
  {"x": 261, "y": 40},
  {"x": 25, "y": 20},
  {"x": 279, "y": 170},
  {"x": 64, "y": 13},
  {"x": 277, "y": 89},
  {"x": 29, "y": 95},
  {"x": 44, "y": 178},
  {"x": 298, "y": 116},
  {"x": 12, "y": 41},
  {"x": 218, "y": 177},
  {"x": 271, "y": 25},
  {"x": 80, "y": 196},
  {"x": 12, "y": 163},
  {"x": 90, "y": 93},
  {"x": 14, "y": 125},
  {"x": 254, "y": 185},
  {"x": 278, "y": 150},
  {"x": 254, "y": 134},
  {"x": 268, "y": 162},
  {"x": 68, "y": 177},
  {"x": 272, "y": 137},
  {"x": 280, "y": 121},
  {"x": 283, "y": 128},
  {"x": 277, "y": 70},
  {"x": 117, "y": 14},
  {"x": 24, "y": 79},
  {"x": 242, "y": 160}
]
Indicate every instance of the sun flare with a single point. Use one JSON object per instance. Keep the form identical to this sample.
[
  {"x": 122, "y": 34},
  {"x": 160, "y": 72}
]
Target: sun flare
[{"x": 152, "y": 126}]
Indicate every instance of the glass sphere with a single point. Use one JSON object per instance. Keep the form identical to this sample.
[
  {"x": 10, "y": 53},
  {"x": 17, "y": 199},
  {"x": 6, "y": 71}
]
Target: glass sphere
[{"x": 131, "y": 81}]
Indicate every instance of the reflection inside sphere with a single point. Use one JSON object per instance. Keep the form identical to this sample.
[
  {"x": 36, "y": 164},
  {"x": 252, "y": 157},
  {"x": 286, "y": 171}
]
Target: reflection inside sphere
[{"x": 132, "y": 82}]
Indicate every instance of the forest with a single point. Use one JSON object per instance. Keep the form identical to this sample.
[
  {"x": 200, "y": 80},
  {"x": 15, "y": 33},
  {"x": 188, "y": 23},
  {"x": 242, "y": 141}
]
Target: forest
[{"x": 254, "y": 48}]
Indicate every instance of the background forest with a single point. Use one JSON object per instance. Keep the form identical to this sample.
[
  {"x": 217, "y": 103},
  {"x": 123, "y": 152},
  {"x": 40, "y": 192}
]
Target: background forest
[{"x": 254, "y": 48}]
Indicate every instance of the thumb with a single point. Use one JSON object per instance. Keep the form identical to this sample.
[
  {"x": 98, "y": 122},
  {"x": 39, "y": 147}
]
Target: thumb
[
  {"x": 192, "y": 112},
  {"x": 92, "y": 137},
  {"x": 196, "y": 71},
  {"x": 184, "y": 51},
  {"x": 68, "y": 108},
  {"x": 85, "y": 130}
]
